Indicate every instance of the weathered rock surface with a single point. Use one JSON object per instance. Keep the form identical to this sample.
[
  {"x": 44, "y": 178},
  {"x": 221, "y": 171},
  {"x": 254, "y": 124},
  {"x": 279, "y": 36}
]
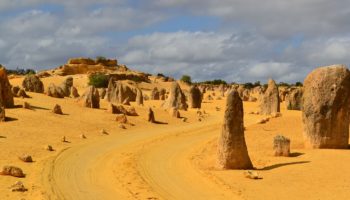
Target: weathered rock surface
[
  {"x": 32, "y": 83},
  {"x": 151, "y": 116},
  {"x": 325, "y": 111},
  {"x": 90, "y": 98},
  {"x": 12, "y": 171},
  {"x": 6, "y": 96},
  {"x": 21, "y": 93},
  {"x": 57, "y": 109},
  {"x": 74, "y": 92},
  {"x": 66, "y": 86},
  {"x": 270, "y": 102},
  {"x": 162, "y": 94},
  {"x": 55, "y": 91},
  {"x": 18, "y": 187},
  {"x": 119, "y": 92},
  {"x": 26, "y": 158},
  {"x": 232, "y": 148},
  {"x": 2, "y": 114},
  {"x": 121, "y": 118},
  {"x": 281, "y": 146},
  {"x": 176, "y": 98},
  {"x": 102, "y": 92},
  {"x": 15, "y": 90},
  {"x": 139, "y": 97},
  {"x": 155, "y": 94},
  {"x": 174, "y": 112},
  {"x": 294, "y": 99},
  {"x": 195, "y": 97}
]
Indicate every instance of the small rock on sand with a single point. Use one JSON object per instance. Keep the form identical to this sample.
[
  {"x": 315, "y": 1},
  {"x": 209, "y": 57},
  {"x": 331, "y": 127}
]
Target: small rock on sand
[
  {"x": 18, "y": 187},
  {"x": 12, "y": 171},
  {"x": 252, "y": 175},
  {"x": 48, "y": 147},
  {"x": 26, "y": 158}
]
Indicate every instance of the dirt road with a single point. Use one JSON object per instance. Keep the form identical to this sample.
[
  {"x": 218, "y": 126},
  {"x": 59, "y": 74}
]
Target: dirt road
[{"x": 148, "y": 164}]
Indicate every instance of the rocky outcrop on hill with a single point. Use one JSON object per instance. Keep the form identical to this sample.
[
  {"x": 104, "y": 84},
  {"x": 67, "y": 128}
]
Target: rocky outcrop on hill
[{"x": 100, "y": 65}]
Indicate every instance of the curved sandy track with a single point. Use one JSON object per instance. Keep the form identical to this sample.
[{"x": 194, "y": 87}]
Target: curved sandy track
[
  {"x": 151, "y": 164},
  {"x": 167, "y": 166}
]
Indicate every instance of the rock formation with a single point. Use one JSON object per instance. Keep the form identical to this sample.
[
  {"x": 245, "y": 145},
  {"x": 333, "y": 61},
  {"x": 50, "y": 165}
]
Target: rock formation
[
  {"x": 176, "y": 98},
  {"x": 155, "y": 94},
  {"x": 232, "y": 149},
  {"x": 26, "y": 158},
  {"x": 21, "y": 93},
  {"x": 281, "y": 146},
  {"x": 270, "y": 100},
  {"x": 118, "y": 92},
  {"x": 12, "y": 171},
  {"x": 325, "y": 111},
  {"x": 162, "y": 94},
  {"x": 74, "y": 92},
  {"x": 2, "y": 114},
  {"x": 57, "y": 109},
  {"x": 6, "y": 97},
  {"x": 195, "y": 97},
  {"x": 151, "y": 116},
  {"x": 121, "y": 118},
  {"x": 139, "y": 97},
  {"x": 15, "y": 90},
  {"x": 174, "y": 112},
  {"x": 18, "y": 187},
  {"x": 54, "y": 91},
  {"x": 32, "y": 83},
  {"x": 102, "y": 92},
  {"x": 294, "y": 99},
  {"x": 90, "y": 98},
  {"x": 66, "y": 86}
]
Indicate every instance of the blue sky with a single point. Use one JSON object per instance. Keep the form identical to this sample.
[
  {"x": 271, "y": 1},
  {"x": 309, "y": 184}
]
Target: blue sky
[{"x": 235, "y": 40}]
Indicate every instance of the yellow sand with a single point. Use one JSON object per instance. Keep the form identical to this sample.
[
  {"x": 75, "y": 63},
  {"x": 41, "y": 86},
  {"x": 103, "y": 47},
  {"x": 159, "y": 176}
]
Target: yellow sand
[{"x": 176, "y": 160}]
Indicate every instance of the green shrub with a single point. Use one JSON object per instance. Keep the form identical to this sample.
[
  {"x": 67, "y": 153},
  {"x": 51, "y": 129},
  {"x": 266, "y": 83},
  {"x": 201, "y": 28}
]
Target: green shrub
[
  {"x": 248, "y": 85},
  {"x": 136, "y": 79},
  {"x": 214, "y": 82},
  {"x": 19, "y": 71},
  {"x": 299, "y": 84},
  {"x": 100, "y": 59},
  {"x": 98, "y": 80},
  {"x": 186, "y": 79}
]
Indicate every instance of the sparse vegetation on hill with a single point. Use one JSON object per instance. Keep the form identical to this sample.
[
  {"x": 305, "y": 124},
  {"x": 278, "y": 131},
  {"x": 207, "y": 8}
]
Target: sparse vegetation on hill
[
  {"x": 100, "y": 59},
  {"x": 250, "y": 85},
  {"x": 214, "y": 82},
  {"x": 98, "y": 80},
  {"x": 186, "y": 79},
  {"x": 299, "y": 84},
  {"x": 18, "y": 71}
]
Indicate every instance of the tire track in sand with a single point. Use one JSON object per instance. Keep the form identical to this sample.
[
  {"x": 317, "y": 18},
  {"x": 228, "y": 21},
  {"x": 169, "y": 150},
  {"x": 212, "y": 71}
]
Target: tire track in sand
[{"x": 148, "y": 164}]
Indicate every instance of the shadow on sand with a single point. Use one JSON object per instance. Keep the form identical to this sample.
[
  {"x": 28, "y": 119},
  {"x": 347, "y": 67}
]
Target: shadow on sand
[
  {"x": 295, "y": 154},
  {"x": 158, "y": 122},
  {"x": 39, "y": 108},
  {"x": 283, "y": 164},
  {"x": 10, "y": 119}
]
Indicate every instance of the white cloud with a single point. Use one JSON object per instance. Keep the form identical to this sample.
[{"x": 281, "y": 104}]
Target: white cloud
[
  {"x": 206, "y": 55},
  {"x": 282, "y": 18},
  {"x": 272, "y": 69},
  {"x": 253, "y": 40}
]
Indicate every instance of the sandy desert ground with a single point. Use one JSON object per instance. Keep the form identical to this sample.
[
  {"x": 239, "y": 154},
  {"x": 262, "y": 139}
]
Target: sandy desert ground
[{"x": 169, "y": 160}]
